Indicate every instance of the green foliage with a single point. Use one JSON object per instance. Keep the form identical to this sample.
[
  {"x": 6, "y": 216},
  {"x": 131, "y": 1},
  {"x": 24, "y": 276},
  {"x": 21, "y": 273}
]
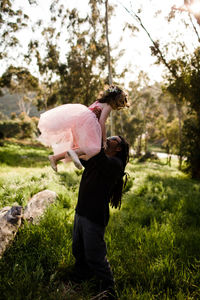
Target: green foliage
[
  {"x": 171, "y": 133},
  {"x": 19, "y": 80},
  {"x": 10, "y": 128},
  {"x": 12, "y": 20},
  {"x": 16, "y": 78},
  {"x": 151, "y": 110},
  {"x": 153, "y": 241},
  {"x": 191, "y": 146},
  {"x": 185, "y": 86},
  {"x": 21, "y": 127},
  {"x": 79, "y": 81},
  {"x": 80, "y": 76},
  {"x": 128, "y": 124}
]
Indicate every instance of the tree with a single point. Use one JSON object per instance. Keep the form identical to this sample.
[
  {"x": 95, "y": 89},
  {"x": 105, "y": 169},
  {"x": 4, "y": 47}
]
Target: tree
[
  {"x": 11, "y": 21},
  {"x": 80, "y": 76},
  {"x": 21, "y": 82},
  {"x": 188, "y": 84},
  {"x": 175, "y": 72},
  {"x": 191, "y": 145},
  {"x": 47, "y": 67},
  {"x": 140, "y": 119},
  {"x": 171, "y": 137}
]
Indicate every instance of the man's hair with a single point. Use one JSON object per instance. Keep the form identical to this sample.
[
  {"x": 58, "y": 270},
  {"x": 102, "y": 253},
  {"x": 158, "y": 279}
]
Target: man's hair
[{"x": 123, "y": 155}]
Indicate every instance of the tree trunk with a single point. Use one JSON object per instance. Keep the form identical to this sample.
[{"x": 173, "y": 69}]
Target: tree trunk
[
  {"x": 139, "y": 146},
  {"x": 121, "y": 123},
  {"x": 146, "y": 142},
  {"x": 179, "y": 110},
  {"x": 109, "y": 62}
]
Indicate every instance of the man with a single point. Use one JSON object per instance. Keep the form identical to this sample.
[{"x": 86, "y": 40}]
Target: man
[{"x": 101, "y": 184}]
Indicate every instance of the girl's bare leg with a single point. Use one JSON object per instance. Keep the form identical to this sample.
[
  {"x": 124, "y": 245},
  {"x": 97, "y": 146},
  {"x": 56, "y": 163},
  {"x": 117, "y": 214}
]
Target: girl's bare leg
[
  {"x": 59, "y": 156},
  {"x": 74, "y": 155},
  {"x": 62, "y": 155},
  {"x": 54, "y": 158},
  {"x": 79, "y": 152},
  {"x": 53, "y": 163}
]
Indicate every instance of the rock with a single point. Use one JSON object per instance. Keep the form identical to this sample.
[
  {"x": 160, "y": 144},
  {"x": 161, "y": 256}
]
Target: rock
[
  {"x": 10, "y": 221},
  {"x": 10, "y": 217},
  {"x": 38, "y": 204}
]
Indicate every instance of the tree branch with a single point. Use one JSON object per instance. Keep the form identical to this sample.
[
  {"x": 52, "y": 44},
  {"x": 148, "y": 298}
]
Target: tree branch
[
  {"x": 135, "y": 16},
  {"x": 194, "y": 27}
]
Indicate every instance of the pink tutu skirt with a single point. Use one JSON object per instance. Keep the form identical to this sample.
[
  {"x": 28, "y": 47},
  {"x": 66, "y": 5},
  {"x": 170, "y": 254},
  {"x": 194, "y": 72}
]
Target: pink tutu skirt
[{"x": 71, "y": 126}]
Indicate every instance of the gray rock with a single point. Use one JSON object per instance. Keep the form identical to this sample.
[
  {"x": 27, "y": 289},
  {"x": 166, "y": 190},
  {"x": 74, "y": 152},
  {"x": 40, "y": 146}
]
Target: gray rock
[
  {"x": 10, "y": 221},
  {"x": 11, "y": 217},
  {"x": 38, "y": 204}
]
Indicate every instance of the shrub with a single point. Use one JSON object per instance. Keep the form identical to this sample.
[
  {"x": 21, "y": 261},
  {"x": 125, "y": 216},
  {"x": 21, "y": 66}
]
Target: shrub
[
  {"x": 22, "y": 127},
  {"x": 27, "y": 128},
  {"x": 10, "y": 128}
]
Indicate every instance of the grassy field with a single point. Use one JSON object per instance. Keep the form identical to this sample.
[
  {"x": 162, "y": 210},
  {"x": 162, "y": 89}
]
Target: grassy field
[{"x": 153, "y": 241}]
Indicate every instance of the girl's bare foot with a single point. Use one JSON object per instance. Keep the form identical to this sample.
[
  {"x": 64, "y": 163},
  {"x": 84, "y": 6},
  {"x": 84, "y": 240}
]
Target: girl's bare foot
[
  {"x": 72, "y": 154},
  {"x": 53, "y": 163}
]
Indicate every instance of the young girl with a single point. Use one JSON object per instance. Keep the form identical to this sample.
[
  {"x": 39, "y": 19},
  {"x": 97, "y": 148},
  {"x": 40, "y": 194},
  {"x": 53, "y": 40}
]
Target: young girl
[{"x": 74, "y": 130}]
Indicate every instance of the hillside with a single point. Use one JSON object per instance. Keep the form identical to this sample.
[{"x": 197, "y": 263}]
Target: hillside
[{"x": 9, "y": 104}]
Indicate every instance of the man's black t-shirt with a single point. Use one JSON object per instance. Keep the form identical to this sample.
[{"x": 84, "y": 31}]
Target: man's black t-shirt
[{"x": 99, "y": 178}]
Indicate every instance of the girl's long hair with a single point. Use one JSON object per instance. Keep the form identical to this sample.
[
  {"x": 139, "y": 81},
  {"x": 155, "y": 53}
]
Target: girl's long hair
[
  {"x": 115, "y": 96},
  {"x": 116, "y": 194}
]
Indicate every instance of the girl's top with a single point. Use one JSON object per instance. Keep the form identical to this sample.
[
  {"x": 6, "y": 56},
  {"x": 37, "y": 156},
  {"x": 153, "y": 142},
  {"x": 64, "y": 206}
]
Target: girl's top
[
  {"x": 72, "y": 126},
  {"x": 96, "y": 108}
]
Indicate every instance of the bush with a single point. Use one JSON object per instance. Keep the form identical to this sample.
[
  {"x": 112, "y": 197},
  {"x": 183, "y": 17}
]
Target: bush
[
  {"x": 22, "y": 127},
  {"x": 27, "y": 128},
  {"x": 10, "y": 128}
]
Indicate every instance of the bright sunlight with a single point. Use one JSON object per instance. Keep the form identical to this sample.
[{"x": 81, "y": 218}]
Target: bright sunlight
[{"x": 195, "y": 7}]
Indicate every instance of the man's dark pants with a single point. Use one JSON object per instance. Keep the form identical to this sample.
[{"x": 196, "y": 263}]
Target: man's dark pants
[{"x": 89, "y": 250}]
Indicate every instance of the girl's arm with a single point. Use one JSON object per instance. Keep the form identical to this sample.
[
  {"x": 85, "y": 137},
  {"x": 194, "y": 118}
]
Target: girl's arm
[{"x": 102, "y": 121}]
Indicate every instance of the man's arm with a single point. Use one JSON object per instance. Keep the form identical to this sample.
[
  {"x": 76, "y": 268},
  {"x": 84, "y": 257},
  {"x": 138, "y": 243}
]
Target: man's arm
[
  {"x": 108, "y": 166},
  {"x": 87, "y": 163}
]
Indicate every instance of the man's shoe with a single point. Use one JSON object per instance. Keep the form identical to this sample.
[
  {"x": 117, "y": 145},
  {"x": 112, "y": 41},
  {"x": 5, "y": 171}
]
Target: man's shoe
[
  {"x": 72, "y": 154},
  {"x": 77, "y": 277},
  {"x": 106, "y": 295},
  {"x": 53, "y": 163},
  {"x": 110, "y": 294}
]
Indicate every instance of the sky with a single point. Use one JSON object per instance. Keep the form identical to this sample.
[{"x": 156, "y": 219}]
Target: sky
[{"x": 137, "y": 55}]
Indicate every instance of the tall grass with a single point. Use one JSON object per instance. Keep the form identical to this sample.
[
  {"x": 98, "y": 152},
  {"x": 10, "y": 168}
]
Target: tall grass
[{"x": 153, "y": 241}]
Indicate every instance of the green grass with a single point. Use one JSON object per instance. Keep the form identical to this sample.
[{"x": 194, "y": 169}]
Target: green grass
[{"x": 153, "y": 241}]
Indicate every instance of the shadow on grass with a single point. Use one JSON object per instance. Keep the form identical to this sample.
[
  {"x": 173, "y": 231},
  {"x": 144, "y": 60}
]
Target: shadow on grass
[
  {"x": 24, "y": 157},
  {"x": 165, "y": 199},
  {"x": 176, "y": 195}
]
